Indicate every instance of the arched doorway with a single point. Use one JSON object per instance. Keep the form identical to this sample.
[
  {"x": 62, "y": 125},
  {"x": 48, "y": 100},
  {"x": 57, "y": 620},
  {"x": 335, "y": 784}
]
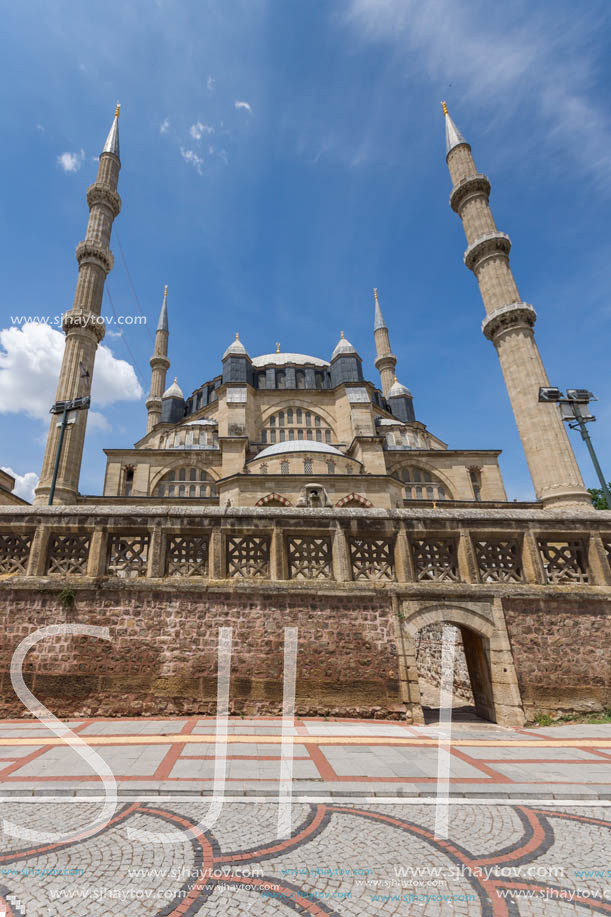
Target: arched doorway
[
  {"x": 485, "y": 683},
  {"x": 472, "y": 689}
]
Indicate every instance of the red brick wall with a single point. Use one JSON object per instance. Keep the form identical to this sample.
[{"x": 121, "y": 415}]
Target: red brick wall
[
  {"x": 561, "y": 653},
  {"x": 162, "y": 658}
]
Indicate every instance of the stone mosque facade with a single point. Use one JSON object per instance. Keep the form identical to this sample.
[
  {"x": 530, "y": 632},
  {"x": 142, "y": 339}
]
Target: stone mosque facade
[{"x": 293, "y": 490}]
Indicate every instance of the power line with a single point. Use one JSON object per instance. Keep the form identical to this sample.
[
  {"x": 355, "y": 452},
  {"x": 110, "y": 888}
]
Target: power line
[
  {"x": 124, "y": 339},
  {"x": 131, "y": 283}
]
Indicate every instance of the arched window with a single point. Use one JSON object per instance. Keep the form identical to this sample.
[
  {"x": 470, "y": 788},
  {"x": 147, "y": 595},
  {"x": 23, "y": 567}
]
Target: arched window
[
  {"x": 200, "y": 484},
  {"x": 422, "y": 485},
  {"x": 295, "y": 423}
]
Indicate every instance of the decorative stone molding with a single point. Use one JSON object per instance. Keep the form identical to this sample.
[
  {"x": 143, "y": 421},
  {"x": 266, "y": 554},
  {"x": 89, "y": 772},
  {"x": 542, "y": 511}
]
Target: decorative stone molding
[
  {"x": 469, "y": 187},
  {"x": 273, "y": 498},
  {"x": 99, "y": 193},
  {"x": 487, "y": 246},
  {"x": 159, "y": 362},
  {"x": 83, "y": 319},
  {"x": 354, "y": 498},
  {"x": 90, "y": 253},
  {"x": 512, "y": 315}
]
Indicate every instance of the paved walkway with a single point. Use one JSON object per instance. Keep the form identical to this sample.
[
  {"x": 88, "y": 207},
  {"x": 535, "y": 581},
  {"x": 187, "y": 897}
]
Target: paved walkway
[
  {"x": 521, "y": 825},
  {"x": 334, "y": 759}
]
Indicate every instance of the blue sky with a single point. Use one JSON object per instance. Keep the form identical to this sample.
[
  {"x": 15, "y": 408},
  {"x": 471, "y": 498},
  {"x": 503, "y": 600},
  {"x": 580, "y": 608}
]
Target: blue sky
[{"x": 280, "y": 159}]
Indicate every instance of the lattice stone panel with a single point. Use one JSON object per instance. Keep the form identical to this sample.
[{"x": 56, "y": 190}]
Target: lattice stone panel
[
  {"x": 372, "y": 558},
  {"x": 499, "y": 560},
  {"x": 128, "y": 555},
  {"x": 14, "y": 553},
  {"x": 248, "y": 555},
  {"x": 187, "y": 555},
  {"x": 309, "y": 558},
  {"x": 68, "y": 553},
  {"x": 564, "y": 561},
  {"x": 436, "y": 559}
]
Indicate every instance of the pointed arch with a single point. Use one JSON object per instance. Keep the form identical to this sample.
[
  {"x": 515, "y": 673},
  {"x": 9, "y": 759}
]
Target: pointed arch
[
  {"x": 354, "y": 500},
  {"x": 273, "y": 499}
]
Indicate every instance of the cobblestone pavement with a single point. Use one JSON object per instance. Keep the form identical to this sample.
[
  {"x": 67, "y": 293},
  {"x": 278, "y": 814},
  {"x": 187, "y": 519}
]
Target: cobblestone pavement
[{"x": 339, "y": 860}]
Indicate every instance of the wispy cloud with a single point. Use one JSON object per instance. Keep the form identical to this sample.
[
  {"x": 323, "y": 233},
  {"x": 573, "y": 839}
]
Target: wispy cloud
[
  {"x": 191, "y": 157},
  {"x": 164, "y": 126},
  {"x": 211, "y": 84},
  {"x": 71, "y": 162},
  {"x": 198, "y": 130},
  {"x": 526, "y": 65},
  {"x": 243, "y": 105},
  {"x": 41, "y": 128}
]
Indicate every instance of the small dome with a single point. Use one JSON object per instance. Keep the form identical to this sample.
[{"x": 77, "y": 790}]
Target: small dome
[
  {"x": 342, "y": 347},
  {"x": 236, "y": 347},
  {"x": 298, "y": 445},
  {"x": 174, "y": 391},
  {"x": 396, "y": 389}
]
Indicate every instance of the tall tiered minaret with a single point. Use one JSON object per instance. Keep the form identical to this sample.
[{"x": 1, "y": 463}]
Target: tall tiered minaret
[
  {"x": 509, "y": 325},
  {"x": 386, "y": 361},
  {"x": 83, "y": 325},
  {"x": 160, "y": 365}
]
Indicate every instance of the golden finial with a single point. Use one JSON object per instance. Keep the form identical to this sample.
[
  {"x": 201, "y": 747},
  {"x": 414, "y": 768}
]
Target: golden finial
[
  {"x": 396, "y": 380},
  {"x": 444, "y": 108},
  {"x": 375, "y": 293},
  {"x": 237, "y": 336},
  {"x": 341, "y": 334},
  {"x": 117, "y": 109},
  {"x": 277, "y": 346},
  {"x": 165, "y": 290},
  {"x": 175, "y": 380}
]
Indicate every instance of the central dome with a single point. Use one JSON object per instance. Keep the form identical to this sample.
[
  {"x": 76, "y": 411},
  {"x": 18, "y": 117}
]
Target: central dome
[
  {"x": 279, "y": 359},
  {"x": 298, "y": 445}
]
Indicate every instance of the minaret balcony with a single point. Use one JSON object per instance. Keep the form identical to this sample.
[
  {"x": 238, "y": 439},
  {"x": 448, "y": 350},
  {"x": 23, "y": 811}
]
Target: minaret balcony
[
  {"x": 470, "y": 187},
  {"x": 487, "y": 246}
]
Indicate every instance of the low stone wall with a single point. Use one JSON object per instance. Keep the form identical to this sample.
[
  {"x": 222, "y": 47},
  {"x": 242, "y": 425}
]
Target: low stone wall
[
  {"x": 162, "y": 656},
  {"x": 561, "y": 653}
]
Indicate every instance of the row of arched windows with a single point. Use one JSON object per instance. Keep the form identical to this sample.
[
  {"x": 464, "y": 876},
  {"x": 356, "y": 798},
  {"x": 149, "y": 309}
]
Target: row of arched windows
[
  {"x": 186, "y": 482},
  {"x": 295, "y": 423}
]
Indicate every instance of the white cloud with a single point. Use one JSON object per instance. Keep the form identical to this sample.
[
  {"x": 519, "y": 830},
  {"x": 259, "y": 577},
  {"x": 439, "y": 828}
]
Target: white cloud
[
  {"x": 30, "y": 360},
  {"x": 243, "y": 105},
  {"x": 211, "y": 84},
  {"x": 526, "y": 66},
  {"x": 25, "y": 484},
  {"x": 192, "y": 157},
  {"x": 41, "y": 128},
  {"x": 198, "y": 130},
  {"x": 164, "y": 127},
  {"x": 71, "y": 162}
]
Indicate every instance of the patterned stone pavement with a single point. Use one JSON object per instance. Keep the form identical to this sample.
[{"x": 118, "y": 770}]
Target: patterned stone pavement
[
  {"x": 337, "y": 758},
  {"x": 528, "y": 820},
  {"x": 340, "y": 860}
]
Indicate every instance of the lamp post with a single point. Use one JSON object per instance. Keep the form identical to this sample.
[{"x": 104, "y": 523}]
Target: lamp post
[
  {"x": 572, "y": 411},
  {"x": 64, "y": 408}
]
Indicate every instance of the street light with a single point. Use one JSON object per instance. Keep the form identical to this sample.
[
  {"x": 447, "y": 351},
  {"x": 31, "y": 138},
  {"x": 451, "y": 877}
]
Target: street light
[
  {"x": 63, "y": 408},
  {"x": 574, "y": 411}
]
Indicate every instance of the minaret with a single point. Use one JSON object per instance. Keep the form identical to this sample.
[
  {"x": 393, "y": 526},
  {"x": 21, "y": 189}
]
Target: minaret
[
  {"x": 83, "y": 326},
  {"x": 159, "y": 365},
  {"x": 386, "y": 361},
  {"x": 509, "y": 325}
]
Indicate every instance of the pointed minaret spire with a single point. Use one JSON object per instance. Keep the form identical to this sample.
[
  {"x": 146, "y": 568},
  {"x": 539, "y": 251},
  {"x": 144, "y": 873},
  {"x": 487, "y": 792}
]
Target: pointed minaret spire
[
  {"x": 83, "y": 327},
  {"x": 386, "y": 360},
  {"x": 378, "y": 318},
  {"x": 159, "y": 365},
  {"x": 453, "y": 135},
  {"x": 509, "y": 324},
  {"x": 112, "y": 141}
]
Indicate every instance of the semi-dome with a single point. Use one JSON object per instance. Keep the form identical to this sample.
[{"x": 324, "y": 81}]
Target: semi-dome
[
  {"x": 342, "y": 347},
  {"x": 280, "y": 359},
  {"x": 174, "y": 391},
  {"x": 298, "y": 445},
  {"x": 236, "y": 347},
  {"x": 396, "y": 389}
]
